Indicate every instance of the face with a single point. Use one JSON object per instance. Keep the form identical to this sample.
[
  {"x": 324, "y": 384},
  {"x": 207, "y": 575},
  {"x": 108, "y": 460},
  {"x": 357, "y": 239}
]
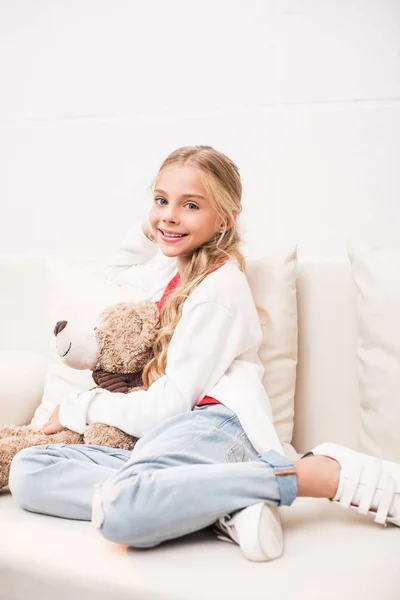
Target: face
[{"x": 182, "y": 217}]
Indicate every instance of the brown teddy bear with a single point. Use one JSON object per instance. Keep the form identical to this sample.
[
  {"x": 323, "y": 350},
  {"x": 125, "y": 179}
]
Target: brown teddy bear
[{"x": 116, "y": 350}]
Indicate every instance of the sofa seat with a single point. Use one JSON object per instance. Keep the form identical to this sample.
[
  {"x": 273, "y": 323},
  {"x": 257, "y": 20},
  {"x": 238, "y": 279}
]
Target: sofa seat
[{"x": 63, "y": 559}]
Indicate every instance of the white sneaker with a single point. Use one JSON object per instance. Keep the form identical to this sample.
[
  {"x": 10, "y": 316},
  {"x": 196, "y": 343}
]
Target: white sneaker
[
  {"x": 257, "y": 529},
  {"x": 368, "y": 484}
]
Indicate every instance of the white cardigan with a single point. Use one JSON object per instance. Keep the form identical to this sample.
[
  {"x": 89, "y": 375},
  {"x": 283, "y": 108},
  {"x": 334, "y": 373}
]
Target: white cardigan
[{"x": 213, "y": 352}]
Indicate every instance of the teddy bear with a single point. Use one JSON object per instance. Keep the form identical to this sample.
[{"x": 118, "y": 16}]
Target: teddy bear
[{"x": 116, "y": 349}]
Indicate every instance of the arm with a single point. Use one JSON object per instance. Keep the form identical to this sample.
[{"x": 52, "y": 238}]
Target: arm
[
  {"x": 207, "y": 339},
  {"x": 136, "y": 248}
]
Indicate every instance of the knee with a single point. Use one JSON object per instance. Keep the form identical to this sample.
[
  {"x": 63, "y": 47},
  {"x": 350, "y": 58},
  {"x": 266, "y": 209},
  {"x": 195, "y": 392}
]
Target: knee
[
  {"x": 117, "y": 516},
  {"x": 23, "y": 468}
]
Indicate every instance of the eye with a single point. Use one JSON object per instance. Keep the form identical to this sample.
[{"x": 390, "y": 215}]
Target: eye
[
  {"x": 193, "y": 205},
  {"x": 162, "y": 200}
]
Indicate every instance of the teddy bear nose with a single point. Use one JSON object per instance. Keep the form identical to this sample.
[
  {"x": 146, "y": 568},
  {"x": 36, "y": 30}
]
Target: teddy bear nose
[{"x": 59, "y": 327}]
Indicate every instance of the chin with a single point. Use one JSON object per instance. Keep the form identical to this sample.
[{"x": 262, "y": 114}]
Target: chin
[{"x": 169, "y": 252}]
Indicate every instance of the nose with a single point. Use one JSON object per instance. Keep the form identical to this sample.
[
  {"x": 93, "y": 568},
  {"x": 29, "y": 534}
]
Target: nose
[
  {"x": 59, "y": 327},
  {"x": 170, "y": 214}
]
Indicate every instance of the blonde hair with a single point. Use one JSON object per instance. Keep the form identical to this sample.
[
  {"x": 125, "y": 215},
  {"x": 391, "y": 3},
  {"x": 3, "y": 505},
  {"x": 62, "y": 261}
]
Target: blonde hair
[{"x": 222, "y": 181}]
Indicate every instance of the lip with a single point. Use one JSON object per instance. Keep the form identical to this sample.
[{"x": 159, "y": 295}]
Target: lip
[{"x": 169, "y": 240}]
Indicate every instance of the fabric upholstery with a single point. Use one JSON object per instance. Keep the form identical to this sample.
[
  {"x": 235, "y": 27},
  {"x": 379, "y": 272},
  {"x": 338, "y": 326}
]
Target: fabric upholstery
[
  {"x": 272, "y": 282},
  {"x": 376, "y": 273},
  {"x": 330, "y": 553},
  {"x": 22, "y": 375},
  {"x": 327, "y": 403}
]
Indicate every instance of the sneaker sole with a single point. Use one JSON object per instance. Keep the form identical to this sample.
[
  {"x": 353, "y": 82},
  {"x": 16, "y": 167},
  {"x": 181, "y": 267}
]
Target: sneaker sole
[{"x": 266, "y": 520}]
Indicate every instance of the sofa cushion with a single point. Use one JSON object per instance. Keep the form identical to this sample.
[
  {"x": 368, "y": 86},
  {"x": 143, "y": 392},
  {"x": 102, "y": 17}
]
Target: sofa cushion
[
  {"x": 22, "y": 375},
  {"x": 376, "y": 273},
  {"x": 272, "y": 281},
  {"x": 24, "y": 293},
  {"x": 76, "y": 292},
  {"x": 327, "y": 404},
  {"x": 330, "y": 553}
]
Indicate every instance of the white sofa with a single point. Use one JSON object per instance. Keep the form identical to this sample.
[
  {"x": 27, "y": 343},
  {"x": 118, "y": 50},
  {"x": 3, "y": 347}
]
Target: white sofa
[{"x": 329, "y": 552}]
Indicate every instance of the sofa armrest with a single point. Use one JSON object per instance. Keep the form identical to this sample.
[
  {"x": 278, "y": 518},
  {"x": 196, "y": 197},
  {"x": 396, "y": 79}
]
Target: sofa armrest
[{"x": 22, "y": 377}]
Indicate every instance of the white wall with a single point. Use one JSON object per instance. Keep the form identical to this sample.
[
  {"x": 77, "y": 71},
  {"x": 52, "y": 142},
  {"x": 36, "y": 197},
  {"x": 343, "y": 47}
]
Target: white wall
[{"x": 302, "y": 94}]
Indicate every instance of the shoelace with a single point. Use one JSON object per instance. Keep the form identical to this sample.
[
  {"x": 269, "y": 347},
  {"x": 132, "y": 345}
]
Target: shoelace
[
  {"x": 225, "y": 529},
  {"x": 372, "y": 475}
]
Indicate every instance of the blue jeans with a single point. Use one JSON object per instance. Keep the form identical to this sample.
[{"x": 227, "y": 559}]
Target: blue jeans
[{"x": 181, "y": 477}]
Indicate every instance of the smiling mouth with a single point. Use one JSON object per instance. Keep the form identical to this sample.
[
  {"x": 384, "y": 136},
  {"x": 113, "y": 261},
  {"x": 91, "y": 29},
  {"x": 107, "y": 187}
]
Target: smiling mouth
[
  {"x": 172, "y": 236},
  {"x": 70, "y": 344}
]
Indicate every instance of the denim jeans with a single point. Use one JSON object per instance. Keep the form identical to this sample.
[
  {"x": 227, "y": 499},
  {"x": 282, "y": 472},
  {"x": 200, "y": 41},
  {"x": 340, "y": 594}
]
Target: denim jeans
[{"x": 181, "y": 477}]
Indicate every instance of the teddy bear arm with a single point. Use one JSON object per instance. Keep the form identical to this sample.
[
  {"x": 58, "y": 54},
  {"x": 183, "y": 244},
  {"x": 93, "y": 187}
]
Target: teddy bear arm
[{"x": 99, "y": 434}]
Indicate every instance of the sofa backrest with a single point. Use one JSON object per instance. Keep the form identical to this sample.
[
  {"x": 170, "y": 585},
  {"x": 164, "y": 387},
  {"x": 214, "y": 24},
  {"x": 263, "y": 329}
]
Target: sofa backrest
[
  {"x": 327, "y": 397},
  {"x": 24, "y": 296}
]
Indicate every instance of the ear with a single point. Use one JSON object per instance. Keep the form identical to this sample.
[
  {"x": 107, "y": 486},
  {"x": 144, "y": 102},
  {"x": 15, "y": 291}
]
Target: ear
[{"x": 223, "y": 227}]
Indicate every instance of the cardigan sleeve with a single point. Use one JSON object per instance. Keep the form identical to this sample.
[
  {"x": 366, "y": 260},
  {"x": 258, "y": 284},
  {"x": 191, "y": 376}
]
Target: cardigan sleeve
[
  {"x": 206, "y": 341},
  {"x": 135, "y": 249}
]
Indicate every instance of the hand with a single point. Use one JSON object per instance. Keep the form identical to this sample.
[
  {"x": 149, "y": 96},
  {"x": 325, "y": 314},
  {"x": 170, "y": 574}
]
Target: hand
[
  {"x": 147, "y": 229},
  {"x": 53, "y": 425}
]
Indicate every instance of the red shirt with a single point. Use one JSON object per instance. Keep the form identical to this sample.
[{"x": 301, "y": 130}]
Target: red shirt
[{"x": 175, "y": 281}]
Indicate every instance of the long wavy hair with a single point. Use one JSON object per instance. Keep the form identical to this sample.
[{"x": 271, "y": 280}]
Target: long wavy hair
[{"x": 221, "y": 179}]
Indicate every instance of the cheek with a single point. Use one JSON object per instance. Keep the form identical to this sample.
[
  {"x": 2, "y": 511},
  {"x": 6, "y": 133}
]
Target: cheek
[
  {"x": 203, "y": 227},
  {"x": 153, "y": 218}
]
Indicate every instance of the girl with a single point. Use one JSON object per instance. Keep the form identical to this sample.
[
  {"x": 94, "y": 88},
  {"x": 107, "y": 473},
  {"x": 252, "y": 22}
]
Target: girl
[{"x": 208, "y": 452}]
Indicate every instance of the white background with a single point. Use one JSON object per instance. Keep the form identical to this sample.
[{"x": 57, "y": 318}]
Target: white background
[{"x": 302, "y": 94}]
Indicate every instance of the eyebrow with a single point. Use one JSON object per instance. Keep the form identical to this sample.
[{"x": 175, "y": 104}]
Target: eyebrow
[{"x": 182, "y": 196}]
